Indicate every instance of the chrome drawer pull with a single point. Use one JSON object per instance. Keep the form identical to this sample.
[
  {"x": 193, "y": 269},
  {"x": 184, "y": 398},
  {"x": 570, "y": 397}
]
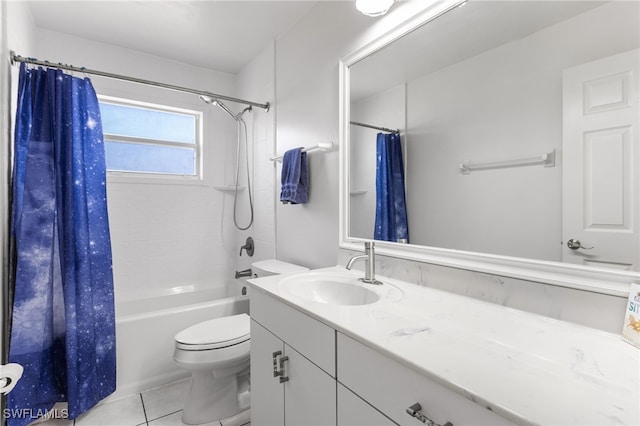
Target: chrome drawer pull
[
  {"x": 416, "y": 411},
  {"x": 282, "y": 361}
]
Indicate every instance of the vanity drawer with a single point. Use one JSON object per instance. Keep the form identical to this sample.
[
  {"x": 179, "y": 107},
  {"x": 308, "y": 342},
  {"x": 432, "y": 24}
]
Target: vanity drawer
[
  {"x": 310, "y": 337},
  {"x": 392, "y": 388}
]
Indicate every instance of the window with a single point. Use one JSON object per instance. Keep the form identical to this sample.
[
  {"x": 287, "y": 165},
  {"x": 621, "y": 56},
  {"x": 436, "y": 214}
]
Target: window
[{"x": 148, "y": 139}]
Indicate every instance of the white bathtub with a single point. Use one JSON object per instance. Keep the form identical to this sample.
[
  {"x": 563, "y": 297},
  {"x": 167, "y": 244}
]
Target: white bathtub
[{"x": 145, "y": 330}]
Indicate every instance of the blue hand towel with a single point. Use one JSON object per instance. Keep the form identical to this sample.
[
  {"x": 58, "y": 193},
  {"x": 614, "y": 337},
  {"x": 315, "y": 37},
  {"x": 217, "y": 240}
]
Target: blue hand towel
[{"x": 295, "y": 177}]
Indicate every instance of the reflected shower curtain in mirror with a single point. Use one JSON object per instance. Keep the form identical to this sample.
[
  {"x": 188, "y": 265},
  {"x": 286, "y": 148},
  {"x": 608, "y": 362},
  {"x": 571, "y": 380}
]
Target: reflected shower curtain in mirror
[
  {"x": 391, "y": 207},
  {"x": 63, "y": 328}
]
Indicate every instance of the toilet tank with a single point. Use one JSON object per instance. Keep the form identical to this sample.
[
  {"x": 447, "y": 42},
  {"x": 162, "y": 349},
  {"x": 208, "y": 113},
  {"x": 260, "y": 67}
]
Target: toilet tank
[{"x": 264, "y": 268}]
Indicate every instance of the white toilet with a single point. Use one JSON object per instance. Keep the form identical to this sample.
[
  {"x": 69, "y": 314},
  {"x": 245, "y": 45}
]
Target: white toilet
[{"x": 217, "y": 354}]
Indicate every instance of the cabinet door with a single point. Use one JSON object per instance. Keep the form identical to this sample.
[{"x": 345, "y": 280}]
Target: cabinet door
[
  {"x": 310, "y": 393},
  {"x": 267, "y": 393},
  {"x": 354, "y": 411}
]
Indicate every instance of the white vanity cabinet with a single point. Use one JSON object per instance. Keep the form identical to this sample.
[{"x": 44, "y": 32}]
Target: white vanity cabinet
[
  {"x": 303, "y": 372},
  {"x": 292, "y": 366},
  {"x": 392, "y": 388}
]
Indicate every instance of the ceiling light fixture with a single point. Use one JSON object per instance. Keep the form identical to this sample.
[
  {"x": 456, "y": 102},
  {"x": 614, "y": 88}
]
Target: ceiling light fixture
[{"x": 374, "y": 7}]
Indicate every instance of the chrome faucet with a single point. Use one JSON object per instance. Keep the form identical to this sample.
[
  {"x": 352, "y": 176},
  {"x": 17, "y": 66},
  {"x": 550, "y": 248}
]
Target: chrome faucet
[
  {"x": 242, "y": 274},
  {"x": 369, "y": 257}
]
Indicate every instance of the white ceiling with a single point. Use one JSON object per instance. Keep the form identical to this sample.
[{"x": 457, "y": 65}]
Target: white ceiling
[{"x": 218, "y": 34}]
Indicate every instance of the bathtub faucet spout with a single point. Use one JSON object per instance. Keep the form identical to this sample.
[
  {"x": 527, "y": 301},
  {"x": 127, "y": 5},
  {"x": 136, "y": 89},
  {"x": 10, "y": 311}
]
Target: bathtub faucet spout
[{"x": 242, "y": 274}]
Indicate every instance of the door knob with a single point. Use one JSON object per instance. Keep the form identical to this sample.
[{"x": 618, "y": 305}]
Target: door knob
[{"x": 574, "y": 244}]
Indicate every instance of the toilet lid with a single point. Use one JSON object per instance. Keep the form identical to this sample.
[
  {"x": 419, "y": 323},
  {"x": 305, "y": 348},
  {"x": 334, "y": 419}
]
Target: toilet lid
[{"x": 215, "y": 333}]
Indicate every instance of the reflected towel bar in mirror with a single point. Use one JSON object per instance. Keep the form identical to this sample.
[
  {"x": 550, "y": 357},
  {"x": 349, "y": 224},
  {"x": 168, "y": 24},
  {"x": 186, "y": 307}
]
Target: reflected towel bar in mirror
[{"x": 546, "y": 160}]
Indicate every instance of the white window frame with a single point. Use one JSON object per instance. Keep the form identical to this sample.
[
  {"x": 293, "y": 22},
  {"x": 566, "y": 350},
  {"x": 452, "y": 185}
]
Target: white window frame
[{"x": 157, "y": 177}]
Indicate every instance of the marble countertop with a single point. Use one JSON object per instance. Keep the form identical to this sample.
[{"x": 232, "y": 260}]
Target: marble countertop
[{"x": 525, "y": 367}]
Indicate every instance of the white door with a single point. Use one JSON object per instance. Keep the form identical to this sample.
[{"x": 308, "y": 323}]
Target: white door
[
  {"x": 601, "y": 158},
  {"x": 268, "y": 408}
]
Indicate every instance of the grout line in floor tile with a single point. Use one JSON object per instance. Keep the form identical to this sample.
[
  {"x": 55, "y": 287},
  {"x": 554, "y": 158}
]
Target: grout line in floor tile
[
  {"x": 165, "y": 415},
  {"x": 144, "y": 411}
]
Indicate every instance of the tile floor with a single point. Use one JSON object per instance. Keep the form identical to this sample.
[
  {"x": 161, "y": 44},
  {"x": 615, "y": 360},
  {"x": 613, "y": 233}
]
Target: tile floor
[{"x": 156, "y": 407}]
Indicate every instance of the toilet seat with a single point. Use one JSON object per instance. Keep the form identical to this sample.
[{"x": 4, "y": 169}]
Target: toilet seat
[{"x": 214, "y": 334}]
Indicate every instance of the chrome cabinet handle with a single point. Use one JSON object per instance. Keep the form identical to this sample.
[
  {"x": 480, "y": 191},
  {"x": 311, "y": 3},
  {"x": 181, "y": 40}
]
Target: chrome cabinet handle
[
  {"x": 416, "y": 411},
  {"x": 275, "y": 356},
  {"x": 283, "y": 378},
  {"x": 574, "y": 244},
  {"x": 279, "y": 363}
]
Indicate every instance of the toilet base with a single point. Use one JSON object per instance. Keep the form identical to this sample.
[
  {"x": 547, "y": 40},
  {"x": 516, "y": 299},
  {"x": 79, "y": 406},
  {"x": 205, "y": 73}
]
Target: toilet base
[
  {"x": 211, "y": 399},
  {"x": 240, "y": 419}
]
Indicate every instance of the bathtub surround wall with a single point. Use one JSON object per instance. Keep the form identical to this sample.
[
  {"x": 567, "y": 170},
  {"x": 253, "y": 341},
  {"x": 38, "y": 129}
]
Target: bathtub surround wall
[
  {"x": 256, "y": 81},
  {"x": 165, "y": 235}
]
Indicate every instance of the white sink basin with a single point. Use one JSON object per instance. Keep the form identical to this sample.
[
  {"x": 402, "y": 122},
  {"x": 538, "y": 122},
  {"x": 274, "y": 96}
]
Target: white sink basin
[{"x": 334, "y": 288}]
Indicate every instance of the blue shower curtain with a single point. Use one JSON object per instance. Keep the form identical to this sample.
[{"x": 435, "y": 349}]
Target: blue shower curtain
[
  {"x": 391, "y": 207},
  {"x": 63, "y": 328}
]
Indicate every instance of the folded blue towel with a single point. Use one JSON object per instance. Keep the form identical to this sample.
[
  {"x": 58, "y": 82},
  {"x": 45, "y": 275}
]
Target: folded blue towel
[{"x": 295, "y": 177}]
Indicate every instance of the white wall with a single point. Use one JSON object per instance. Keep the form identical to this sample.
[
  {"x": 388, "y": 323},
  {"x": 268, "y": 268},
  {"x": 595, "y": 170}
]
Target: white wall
[
  {"x": 307, "y": 114},
  {"x": 385, "y": 109},
  {"x": 505, "y": 103},
  {"x": 307, "y": 58},
  {"x": 164, "y": 235}
]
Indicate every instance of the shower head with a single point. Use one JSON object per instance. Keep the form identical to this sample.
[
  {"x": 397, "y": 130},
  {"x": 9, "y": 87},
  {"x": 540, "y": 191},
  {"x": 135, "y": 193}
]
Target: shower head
[
  {"x": 218, "y": 102},
  {"x": 207, "y": 99}
]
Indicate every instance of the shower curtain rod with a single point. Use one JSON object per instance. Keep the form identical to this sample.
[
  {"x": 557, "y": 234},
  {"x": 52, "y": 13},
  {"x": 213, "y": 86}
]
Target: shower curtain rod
[
  {"x": 17, "y": 58},
  {"x": 384, "y": 129}
]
